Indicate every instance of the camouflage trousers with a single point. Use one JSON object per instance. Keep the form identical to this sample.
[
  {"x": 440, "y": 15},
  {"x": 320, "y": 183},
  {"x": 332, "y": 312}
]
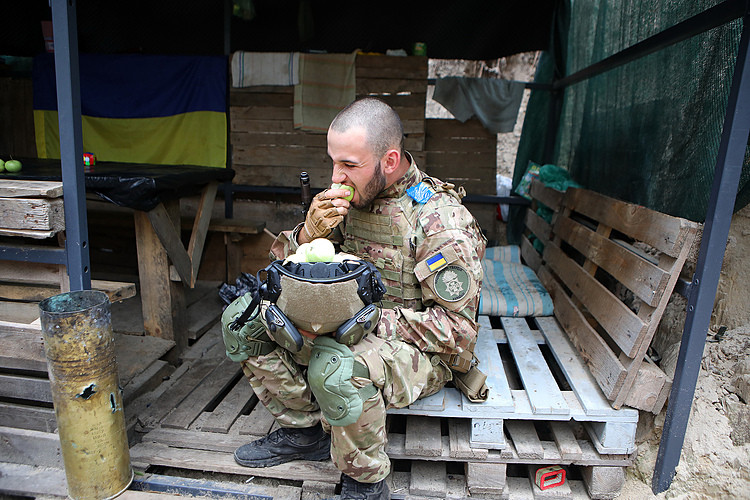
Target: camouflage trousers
[{"x": 399, "y": 370}]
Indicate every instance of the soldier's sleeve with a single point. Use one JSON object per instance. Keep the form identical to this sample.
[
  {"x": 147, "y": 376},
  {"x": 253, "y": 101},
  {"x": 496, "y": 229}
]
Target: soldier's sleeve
[{"x": 450, "y": 274}]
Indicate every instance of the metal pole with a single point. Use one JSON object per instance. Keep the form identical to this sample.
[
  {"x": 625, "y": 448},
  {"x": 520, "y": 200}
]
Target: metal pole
[
  {"x": 71, "y": 141},
  {"x": 734, "y": 139}
]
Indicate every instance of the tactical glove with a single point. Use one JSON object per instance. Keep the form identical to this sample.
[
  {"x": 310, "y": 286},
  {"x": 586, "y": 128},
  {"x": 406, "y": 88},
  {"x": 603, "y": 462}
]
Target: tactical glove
[{"x": 321, "y": 218}]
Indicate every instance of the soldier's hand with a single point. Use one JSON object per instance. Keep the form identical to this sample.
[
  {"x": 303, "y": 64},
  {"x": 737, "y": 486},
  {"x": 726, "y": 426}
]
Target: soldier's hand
[{"x": 322, "y": 217}]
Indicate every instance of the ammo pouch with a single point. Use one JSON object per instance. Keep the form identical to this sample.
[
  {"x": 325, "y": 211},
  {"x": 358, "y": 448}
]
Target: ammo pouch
[
  {"x": 472, "y": 384},
  {"x": 463, "y": 361},
  {"x": 469, "y": 379}
]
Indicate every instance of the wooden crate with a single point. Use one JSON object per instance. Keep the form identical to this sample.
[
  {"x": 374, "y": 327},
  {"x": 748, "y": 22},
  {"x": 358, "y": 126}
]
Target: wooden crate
[{"x": 268, "y": 151}]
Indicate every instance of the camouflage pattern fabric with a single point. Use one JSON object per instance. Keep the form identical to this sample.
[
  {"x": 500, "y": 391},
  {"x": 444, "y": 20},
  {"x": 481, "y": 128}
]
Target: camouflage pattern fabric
[{"x": 401, "y": 372}]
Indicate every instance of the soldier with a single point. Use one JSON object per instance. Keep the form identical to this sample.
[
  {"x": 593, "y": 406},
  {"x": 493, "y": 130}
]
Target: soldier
[{"x": 427, "y": 248}]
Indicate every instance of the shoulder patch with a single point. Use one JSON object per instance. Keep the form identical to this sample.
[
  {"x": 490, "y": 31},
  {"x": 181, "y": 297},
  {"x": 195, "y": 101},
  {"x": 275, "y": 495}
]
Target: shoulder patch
[
  {"x": 452, "y": 283},
  {"x": 421, "y": 193}
]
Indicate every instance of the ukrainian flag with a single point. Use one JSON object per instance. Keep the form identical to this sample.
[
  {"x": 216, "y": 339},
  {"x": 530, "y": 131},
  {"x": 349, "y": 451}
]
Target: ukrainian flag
[{"x": 168, "y": 110}]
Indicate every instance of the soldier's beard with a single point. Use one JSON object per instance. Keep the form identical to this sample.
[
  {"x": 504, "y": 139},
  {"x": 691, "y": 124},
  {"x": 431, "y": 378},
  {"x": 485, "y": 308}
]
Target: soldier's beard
[{"x": 372, "y": 189}]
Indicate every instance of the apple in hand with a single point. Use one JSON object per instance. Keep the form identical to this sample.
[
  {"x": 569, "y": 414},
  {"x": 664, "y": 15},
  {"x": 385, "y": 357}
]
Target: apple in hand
[
  {"x": 13, "y": 166},
  {"x": 344, "y": 186}
]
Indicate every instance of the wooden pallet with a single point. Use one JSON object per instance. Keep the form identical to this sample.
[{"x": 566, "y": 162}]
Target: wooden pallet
[{"x": 537, "y": 394}]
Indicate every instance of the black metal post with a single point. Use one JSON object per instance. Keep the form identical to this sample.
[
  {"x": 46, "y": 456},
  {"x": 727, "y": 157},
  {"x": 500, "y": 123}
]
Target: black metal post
[
  {"x": 732, "y": 148},
  {"x": 71, "y": 142}
]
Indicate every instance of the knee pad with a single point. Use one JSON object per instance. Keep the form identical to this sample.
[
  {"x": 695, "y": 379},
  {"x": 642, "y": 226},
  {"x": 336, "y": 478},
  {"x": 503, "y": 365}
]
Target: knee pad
[
  {"x": 251, "y": 338},
  {"x": 332, "y": 366}
]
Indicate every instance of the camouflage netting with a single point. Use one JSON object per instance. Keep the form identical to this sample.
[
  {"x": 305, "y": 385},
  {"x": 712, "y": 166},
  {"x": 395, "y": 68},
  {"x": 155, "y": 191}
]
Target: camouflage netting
[{"x": 647, "y": 132}]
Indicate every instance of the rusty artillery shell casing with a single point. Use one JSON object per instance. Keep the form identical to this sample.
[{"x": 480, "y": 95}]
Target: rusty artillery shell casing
[{"x": 79, "y": 345}]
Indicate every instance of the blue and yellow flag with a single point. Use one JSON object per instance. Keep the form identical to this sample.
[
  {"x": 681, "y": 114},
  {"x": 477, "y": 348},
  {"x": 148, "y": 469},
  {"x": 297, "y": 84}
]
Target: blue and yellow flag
[{"x": 168, "y": 110}]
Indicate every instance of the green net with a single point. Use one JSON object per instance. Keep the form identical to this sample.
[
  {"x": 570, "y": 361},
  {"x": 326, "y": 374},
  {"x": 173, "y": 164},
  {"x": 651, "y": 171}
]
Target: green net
[{"x": 647, "y": 132}]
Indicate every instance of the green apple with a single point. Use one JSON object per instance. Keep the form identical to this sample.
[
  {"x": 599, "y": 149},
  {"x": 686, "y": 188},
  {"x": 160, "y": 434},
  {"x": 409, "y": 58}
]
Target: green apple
[
  {"x": 344, "y": 186},
  {"x": 320, "y": 250},
  {"x": 13, "y": 166},
  {"x": 2, "y": 165}
]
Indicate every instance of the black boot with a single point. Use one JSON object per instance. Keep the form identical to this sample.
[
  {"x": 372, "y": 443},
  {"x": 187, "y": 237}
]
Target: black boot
[
  {"x": 354, "y": 490},
  {"x": 285, "y": 445}
]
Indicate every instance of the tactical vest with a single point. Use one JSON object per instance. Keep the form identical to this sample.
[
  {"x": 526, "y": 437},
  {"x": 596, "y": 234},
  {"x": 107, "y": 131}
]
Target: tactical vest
[{"x": 387, "y": 235}]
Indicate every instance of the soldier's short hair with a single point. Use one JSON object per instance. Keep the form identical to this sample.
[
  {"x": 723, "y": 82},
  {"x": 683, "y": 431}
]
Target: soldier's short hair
[{"x": 381, "y": 123}]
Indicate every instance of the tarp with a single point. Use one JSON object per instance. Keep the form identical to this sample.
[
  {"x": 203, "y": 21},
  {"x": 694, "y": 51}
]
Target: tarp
[{"x": 140, "y": 108}]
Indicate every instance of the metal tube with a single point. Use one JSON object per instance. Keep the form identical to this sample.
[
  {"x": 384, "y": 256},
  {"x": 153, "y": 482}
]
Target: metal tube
[
  {"x": 79, "y": 345},
  {"x": 710, "y": 257}
]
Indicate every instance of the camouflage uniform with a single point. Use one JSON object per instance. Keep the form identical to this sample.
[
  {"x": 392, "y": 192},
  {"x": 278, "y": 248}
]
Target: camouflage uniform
[{"x": 428, "y": 249}]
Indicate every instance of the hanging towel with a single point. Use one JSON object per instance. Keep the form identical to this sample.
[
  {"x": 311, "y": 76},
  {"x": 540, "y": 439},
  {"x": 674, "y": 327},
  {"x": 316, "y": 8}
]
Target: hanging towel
[
  {"x": 494, "y": 102},
  {"x": 326, "y": 85},
  {"x": 265, "y": 68}
]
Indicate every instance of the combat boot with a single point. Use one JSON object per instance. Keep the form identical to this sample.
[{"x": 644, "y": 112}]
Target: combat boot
[
  {"x": 354, "y": 490},
  {"x": 284, "y": 445}
]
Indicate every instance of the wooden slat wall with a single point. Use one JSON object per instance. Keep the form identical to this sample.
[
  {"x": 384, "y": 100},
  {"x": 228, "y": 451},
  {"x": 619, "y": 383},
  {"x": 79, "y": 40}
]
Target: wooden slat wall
[
  {"x": 462, "y": 153},
  {"x": 268, "y": 151},
  {"x": 17, "y": 118}
]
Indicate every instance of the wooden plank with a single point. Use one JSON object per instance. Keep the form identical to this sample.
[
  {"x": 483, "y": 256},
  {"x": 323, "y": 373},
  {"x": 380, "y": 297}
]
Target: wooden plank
[
  {"x": 32, "y": 481},
  {"x": 423, "y": 436},
  {"x": 574, "y": 369},
  {"x": 661, "y": 231},
  {"x": 239, "y": 399},
  {"x": 258, "y": 423},
  {"x": 171, "y": 241},
  {"x": 38, "y": 214},
  {"x": 184, "y": 384},
  {"x": 488, "y": 479},
  {"x": 428, "y": 478},
  {"x": 566, "y": 442},
  {"x": 210, "y": 461},
  {"x": 30, "y": 447},
  {"x": 491, "y": 364},
  {"x": 525, "y": 439},
  {"x": 551, "y": 198},
  {"x": 647, "y": 387},
  {"x": 135, "y": 353},
  {"x": 459, "y": 434},
  {"x": 200, "y": 228},
  {"x": 622, "y": 324},
  {"x": 602, "y": 362},
  {"x": 240, "y": 226},
  {"x": 37, "y": 418},
  {"x": 195, "y": 403},
  {"x": 26, "y": 388},
  {"x": 544, "y": 394},
  {"x": 250, "y": 139},
  {"x": 530, "y": 256},
  {"x": 195, "y": 439},
  {"x": 153, "y": 272},
  {"x": 646, "y": 280},
  {"x": 392, "y": 67},
  {"x": 10, "y": 188},
  {"x": 19, "y": 312},
  {"x": 442, "y": 128},
  {"x": 382, "y": 85},
  {"x": 481, "y": 162},
  {"x": 538, "y": 226},
  {"x": 22, "y": 350}
]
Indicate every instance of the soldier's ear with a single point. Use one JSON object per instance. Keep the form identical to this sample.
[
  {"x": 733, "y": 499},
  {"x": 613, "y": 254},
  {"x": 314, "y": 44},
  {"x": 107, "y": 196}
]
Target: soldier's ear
[{"x": 391, "y": 161}]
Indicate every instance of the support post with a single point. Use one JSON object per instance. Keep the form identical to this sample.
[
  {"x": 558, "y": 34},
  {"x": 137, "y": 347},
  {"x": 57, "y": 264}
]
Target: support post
[
  {"x": 729, "y": 162},
  {"x": 65, "y": 33}
]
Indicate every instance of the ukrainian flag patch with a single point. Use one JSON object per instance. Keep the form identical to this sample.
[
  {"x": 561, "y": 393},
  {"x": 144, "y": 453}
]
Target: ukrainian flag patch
[{"x": 436, "y": 262}]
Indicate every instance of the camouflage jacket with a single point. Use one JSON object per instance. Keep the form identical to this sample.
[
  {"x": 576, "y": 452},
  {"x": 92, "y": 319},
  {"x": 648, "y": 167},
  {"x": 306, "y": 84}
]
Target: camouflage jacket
[{"x": 442, "y": 239}]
